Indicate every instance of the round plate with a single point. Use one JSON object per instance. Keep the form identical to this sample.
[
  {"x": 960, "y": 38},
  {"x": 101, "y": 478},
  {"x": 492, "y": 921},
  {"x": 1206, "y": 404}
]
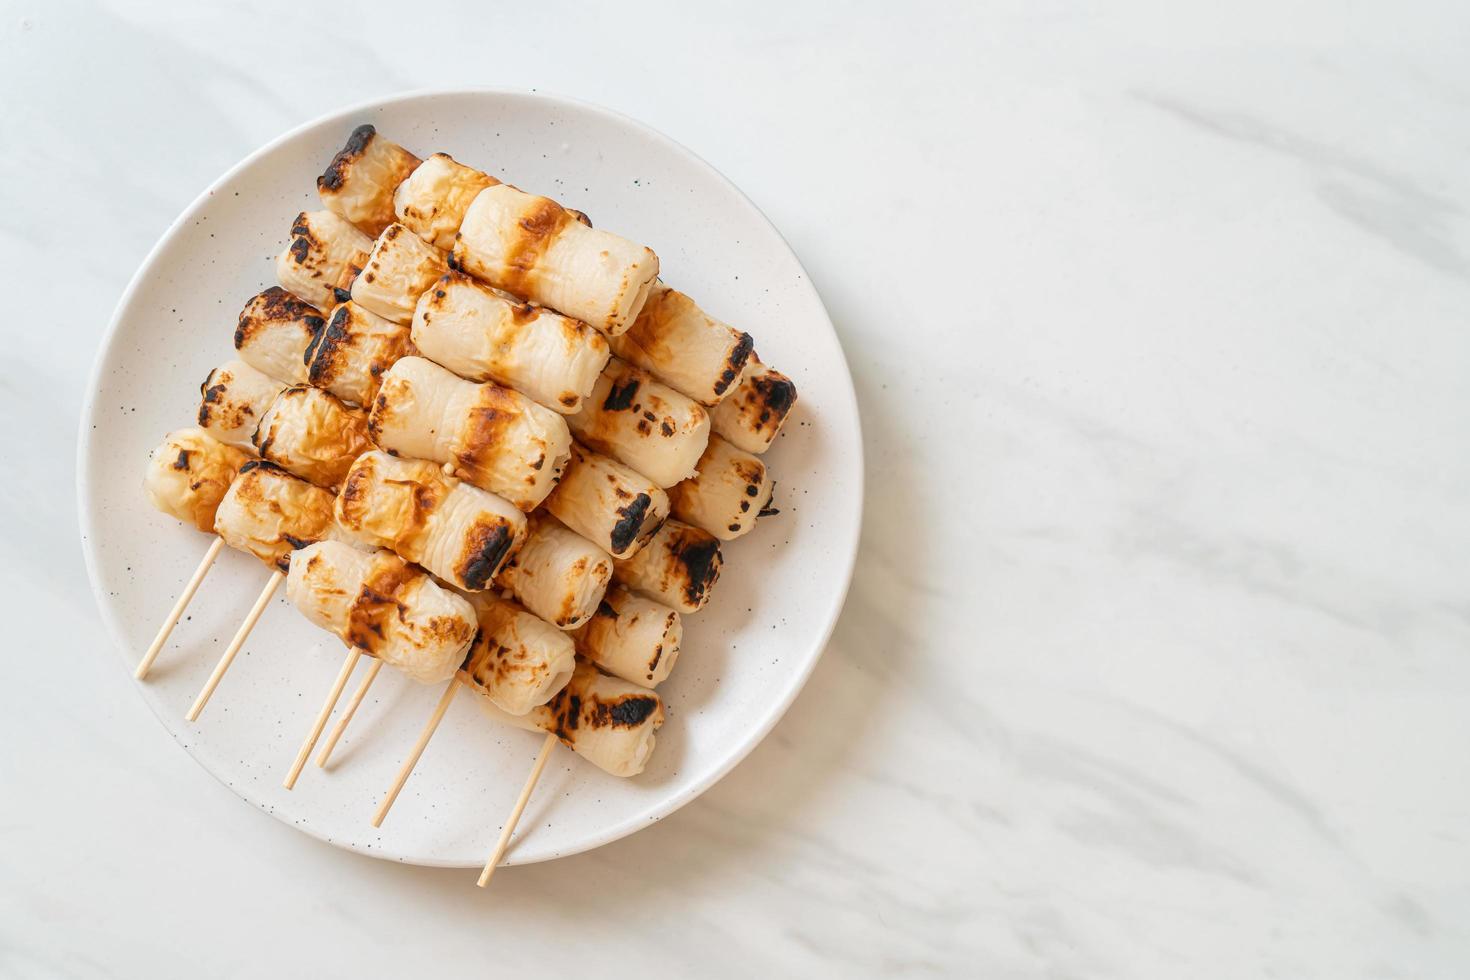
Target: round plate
[{"x": 745, "y": 657}]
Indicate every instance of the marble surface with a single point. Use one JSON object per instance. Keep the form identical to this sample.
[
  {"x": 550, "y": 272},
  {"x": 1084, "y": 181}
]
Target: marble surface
[{"x": 1155, "y": 660}]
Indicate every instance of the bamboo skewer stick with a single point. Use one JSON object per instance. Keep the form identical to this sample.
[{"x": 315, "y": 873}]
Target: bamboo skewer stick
[
  {"x": 515, "y": 814},
  {"x": 406, "y": 769},
  {"x": 277, "y": 577},
  {"x": 173, "y": 617},
  {"x": 343, "y": 676},
  {"x": 347, "y": 713}
]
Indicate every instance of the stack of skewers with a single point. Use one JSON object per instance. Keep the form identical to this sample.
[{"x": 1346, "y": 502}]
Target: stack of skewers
[{"x": 482, "y": 442}]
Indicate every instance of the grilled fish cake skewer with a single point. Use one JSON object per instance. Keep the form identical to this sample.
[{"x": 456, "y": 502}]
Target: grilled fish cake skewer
[
  {"x": 378, "y": 603},
  {"x": 459, "y": 532},
  {"x": 558, "y": 574},
  {"x": 187, "y": 477},
  {"x": 632, "y": 637},
  {"x": 482, "y": 335},
  {"x": 353, "y": 351},
  {"x": 686, "y": 348},
  {"x": 535, "y": 249},
  {"x": 398, "y": 271},
  {"x": 643, "y": 423},
  {"x": 322, "y": 257},
  {"x": 433, "y": 199},
  {"x": 731, "y": 490},
  {"x": 495, "y": 438},
  {"x": 679, "y": 567},
  {"x": 518, "y": 660},
  {"x": 359, "y": 182},
  {"x": 610, "y": 504},
  {"x": 274, "y": 332},
  {"x": 751, "y": 415},
  {"x": 267, "y": 513}
]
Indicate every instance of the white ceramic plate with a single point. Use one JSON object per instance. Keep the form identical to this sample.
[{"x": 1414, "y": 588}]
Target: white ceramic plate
[{"x": 745, "y": 657}]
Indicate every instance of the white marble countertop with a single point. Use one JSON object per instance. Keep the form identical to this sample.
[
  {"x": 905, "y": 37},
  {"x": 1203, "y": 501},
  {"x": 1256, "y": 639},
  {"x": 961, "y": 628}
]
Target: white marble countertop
[{"x": 1155, "y": 659}]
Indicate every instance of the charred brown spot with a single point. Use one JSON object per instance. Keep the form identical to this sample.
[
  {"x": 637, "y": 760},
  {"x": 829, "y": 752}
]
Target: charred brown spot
[
  {"x": 377, "y": 603},
  {"x": 272, "y": 306},
  {"x": 311, "y": 348},
  {"x": 357, "y": 144},
  {"x": 323, "y": 352},
  {"x": 666, "y": 427},
  {"x": 620, "y": 396},
  {"x": 523, "y": 313},
  {"x": 300, "y": 249},
  {"x": 356, "y": 490},
  {"x": 539, "y": 225},
  {"x": 630, "y": 521},
  {"x": 777, "y": 393},
  {"x": 735, "y": 363},
  {"x": 486, "y": 552},
  {"x": 211, "y": 395},
  {"x": 699, "y": 555},
  {"x": 769, "y": 510},
  {"x": 182, "y": 463},
  {"x": 485, "y": 430},
  {"x": 751, "y": 471},
  {"x": 573, "y": 713},
  {"x": 277, "y": 303},
  {"x": 568, "y": 398},
  {"x": 627, "y": 712},
  {"x": 265, "y": 466}
]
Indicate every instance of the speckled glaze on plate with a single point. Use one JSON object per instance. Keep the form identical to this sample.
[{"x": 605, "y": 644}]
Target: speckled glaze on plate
[{"x": 745, "y": 657}]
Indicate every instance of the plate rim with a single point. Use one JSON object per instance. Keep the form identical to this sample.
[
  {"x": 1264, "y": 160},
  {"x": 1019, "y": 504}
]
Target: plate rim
[{"x": 797, "y": 680}]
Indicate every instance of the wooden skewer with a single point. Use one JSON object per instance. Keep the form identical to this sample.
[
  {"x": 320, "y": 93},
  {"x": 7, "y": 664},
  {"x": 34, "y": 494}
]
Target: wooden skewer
[
  {"x": 179, "y": 607},
  {"x": 348, "y": 712},
  {"x": 277, "y": 577},
  {"x": 343, "y": 676},
  {"x": 515, "y": 814},
  {"x": 406, "y": 769}
]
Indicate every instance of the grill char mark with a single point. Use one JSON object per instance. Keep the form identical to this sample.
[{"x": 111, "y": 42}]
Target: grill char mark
[
  {"x": 488, "y": 551},
  {"x": 357, "y": 144},
  {"x": 630, "y": 520}
]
